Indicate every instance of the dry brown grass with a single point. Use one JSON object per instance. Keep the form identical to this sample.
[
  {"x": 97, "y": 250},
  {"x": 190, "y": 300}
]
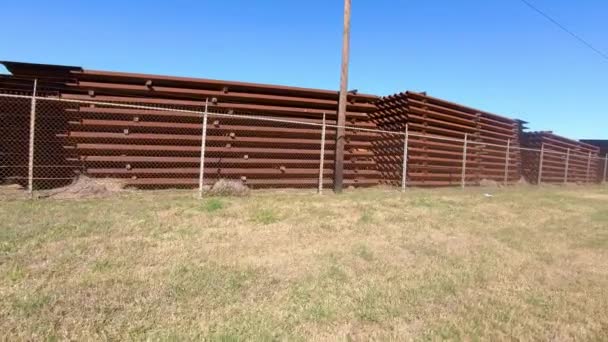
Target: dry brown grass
[{"x": 525, "y": 264}]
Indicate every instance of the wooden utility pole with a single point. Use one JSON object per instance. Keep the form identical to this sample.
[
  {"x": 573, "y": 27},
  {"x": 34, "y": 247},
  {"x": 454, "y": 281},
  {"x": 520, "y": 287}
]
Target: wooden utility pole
[{"x": 339, "y": 155}]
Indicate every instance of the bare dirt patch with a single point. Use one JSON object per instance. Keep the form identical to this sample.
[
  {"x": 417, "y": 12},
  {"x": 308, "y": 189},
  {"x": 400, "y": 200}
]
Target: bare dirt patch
[{"x": 12, "y": 192}]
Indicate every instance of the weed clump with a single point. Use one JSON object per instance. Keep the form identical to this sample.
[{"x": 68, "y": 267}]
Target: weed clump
[
  {"x": 265, "y": 216},
  {"x": 86, "y": 187},
  {"x": 213, "y": 204},
  {"x": 224, "y": 187}
]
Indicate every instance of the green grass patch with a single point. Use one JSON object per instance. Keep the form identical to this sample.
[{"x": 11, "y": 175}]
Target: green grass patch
[
  {"x": 215, "y": 284},
  {"x": 363, "y": 252},
  {"x": 213, "y": 204},
  {"x": 366, "y": 217},
  {"x": 265, "y": 216},
  {"x": 31, "y": 303},
  {"x": 14, "y": 273}
]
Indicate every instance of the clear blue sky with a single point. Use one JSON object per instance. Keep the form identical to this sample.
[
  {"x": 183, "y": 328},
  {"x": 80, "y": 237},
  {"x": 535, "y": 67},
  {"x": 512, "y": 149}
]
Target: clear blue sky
[{"x": 495, "y": 55}]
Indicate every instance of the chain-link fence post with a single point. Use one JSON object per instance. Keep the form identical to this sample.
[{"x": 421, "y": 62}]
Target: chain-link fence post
[
  {"x": 605, "y": 167},
  {"x": 322, "y": 156},
  {"x": 540, "y": 164},
  {"x": 203, "y": 141},
  {"x": 30, "y": 164},
  {"x": 507, "y": 157},
  {"x": 464, "y": 161},
  {"x": 567, "y": 166},
  {"x": 588, "y": 168},
  {"x": 404, "y": 169}
]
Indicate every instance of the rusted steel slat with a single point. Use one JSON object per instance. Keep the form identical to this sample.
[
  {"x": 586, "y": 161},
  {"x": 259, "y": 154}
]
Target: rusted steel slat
[
  {"x": 263, "y": 162},
  {"x": 159, "y": 91},
  {"x": 178, "y": 148},
  {"x": 236, "y": 141},
  {"x": 194, "y": 181},
  {"x": 219, "y": 129},
  {"x": 120, "y": 77},
  {"x": 274, "y": 172}
]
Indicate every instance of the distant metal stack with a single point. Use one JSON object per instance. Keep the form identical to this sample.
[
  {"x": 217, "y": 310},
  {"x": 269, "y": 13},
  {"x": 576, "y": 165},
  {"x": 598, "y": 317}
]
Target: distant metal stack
[
  {"x": 437, "y": 129},
  {"x": 603, "y": 154},
  {"x": 562, "y": 160}
]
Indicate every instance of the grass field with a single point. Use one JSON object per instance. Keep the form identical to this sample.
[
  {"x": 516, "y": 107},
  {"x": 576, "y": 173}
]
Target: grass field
[{"x": 527, "y": 263}]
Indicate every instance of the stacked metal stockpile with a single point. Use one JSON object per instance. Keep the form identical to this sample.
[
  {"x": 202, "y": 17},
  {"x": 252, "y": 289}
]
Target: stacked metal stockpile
[
  {"x": 157, "y": 148},
  {"x": 496, "y": 132},
  {"x": 562, "y": 160},
  {"x": 435, "y": 161},
  {"x": 603, "y": 154},
  {"x": 437, "y": 129}
]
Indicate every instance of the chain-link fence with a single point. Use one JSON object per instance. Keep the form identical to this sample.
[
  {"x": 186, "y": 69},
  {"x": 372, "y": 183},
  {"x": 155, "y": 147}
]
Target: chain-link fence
[{"x": 48, "y": 142}]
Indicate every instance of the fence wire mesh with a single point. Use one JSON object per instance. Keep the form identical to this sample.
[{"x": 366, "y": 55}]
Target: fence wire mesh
[
  {"x": 264, "y": 153},
  {"x": 143, "y": 147},
  {"x": 14, "y": 142},
  {"x": 148, "y": 145}
]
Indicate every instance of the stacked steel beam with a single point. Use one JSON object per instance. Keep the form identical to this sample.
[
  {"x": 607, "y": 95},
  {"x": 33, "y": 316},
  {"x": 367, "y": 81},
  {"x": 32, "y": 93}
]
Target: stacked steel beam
[
  {"x": 436, "y": 150},
  {"x": 495, "y": 132},
  {"x": 152, "y": 148},
  {"x": 562, "y": 160}
]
